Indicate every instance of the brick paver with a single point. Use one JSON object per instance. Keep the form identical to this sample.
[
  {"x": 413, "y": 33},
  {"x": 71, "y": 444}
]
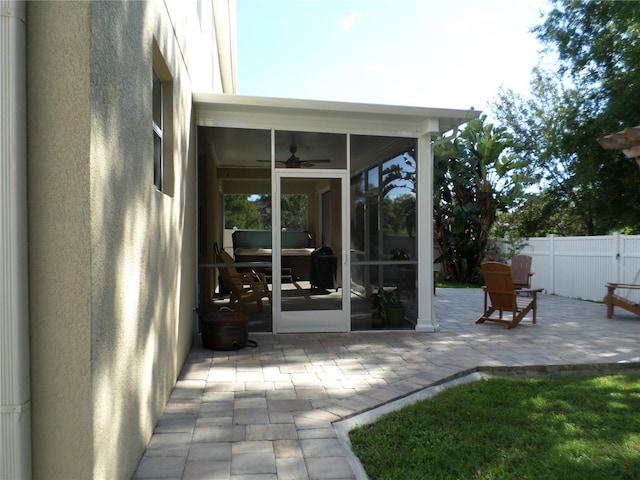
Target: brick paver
[{"x": 268, "y": 412}]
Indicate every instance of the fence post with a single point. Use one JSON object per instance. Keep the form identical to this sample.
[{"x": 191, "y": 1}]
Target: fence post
[
  {"x": 552, "y": 263},
  {"x": 616, "y": 257}
]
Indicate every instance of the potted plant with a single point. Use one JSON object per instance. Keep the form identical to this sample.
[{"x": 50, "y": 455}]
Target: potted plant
[
  {"x": 390, "y": 303},
  {"x": 394, "y": 309},
  {"x": 377, "y": 303},
  {"x": 406, "y": 273}
]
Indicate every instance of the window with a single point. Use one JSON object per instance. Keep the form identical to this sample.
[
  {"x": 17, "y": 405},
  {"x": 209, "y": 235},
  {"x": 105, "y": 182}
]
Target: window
[
  {"x": 157, "y": 131},
  {"x": 162, "y": 124}
]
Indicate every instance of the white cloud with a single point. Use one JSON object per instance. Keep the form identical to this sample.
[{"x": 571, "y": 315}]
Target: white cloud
[{"x": 349, "y": 20}]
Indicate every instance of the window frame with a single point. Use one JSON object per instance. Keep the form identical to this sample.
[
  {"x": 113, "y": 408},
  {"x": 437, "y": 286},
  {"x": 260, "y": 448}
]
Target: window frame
[
  {"x": 162, "y": 123},
  {"x": 157, "y": 122}
]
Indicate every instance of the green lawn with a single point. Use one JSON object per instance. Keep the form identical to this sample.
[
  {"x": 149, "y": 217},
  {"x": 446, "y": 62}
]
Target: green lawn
[
  {"x": 511, "y": 428},
  {"x": 454, "y": 284}
]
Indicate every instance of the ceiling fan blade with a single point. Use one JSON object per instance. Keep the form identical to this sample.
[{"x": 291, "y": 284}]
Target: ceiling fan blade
[
  {"x": 306, "y": 163},
  {"x": 295, "y": 162}
]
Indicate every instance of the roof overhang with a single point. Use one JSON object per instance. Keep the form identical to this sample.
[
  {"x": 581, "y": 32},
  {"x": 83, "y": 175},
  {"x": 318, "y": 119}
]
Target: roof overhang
[{"x": 239, "y": 111}]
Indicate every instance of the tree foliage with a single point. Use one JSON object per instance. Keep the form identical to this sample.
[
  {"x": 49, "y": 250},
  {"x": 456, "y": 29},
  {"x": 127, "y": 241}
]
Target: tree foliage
[
  {"x": 544, "y": 214},
  {"x": 294, "y": 211},
  {"x": 475, "y": 176},
  {"x": 241, "y": 212},
  {"x": 598, "y": 45},
  {"x": 294, "y": 208},
  {"x": 595, "y": 90},
  {"x": 399, "y": 214},
  {"x": 399, "y": 195}
]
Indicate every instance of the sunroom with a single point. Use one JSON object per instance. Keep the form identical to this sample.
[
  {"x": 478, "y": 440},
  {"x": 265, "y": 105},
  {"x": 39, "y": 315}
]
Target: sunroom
[{"x": 329, "y": 202}]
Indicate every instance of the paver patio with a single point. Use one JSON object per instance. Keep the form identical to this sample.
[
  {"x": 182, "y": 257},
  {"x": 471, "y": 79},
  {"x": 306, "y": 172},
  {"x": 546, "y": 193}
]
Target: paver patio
[{"x": 268, "y": 412}]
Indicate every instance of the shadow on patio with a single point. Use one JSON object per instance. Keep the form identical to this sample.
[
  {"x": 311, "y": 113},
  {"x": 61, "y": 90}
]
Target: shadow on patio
[{"x": 268, "y": 411}]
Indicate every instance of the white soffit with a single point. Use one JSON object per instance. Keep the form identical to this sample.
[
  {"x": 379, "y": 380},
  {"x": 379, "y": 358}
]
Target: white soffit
[{"x": 239, "y": 111}]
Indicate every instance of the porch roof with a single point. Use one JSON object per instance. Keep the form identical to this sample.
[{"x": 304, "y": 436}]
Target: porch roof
[{"x": 239, "y": 111}]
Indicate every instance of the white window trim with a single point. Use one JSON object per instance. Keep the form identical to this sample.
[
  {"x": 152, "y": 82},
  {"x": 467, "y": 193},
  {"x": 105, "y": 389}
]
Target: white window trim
[{"x": 158, "y": 177}]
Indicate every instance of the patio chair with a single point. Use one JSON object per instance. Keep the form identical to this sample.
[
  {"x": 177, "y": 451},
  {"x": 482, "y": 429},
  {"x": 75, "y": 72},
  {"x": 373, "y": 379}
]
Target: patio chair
[
  {"x": 612, "y": 299},
  {"x": 521, "y": 271},
  {"x": 500, "y": 295},
  {"x": 245, "y": 287}
]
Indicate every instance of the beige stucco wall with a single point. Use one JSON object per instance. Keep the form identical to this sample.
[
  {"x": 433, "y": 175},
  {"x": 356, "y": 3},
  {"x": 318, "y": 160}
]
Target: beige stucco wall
[{"x": 112, "y": 260}]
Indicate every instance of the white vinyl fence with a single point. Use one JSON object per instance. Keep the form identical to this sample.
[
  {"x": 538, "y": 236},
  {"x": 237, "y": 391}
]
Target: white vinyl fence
[{"x": 579, "y": 267}]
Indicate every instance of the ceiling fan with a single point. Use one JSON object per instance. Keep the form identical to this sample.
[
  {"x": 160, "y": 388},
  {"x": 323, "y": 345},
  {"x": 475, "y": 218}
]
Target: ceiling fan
[{"x": 295, "y": 162}]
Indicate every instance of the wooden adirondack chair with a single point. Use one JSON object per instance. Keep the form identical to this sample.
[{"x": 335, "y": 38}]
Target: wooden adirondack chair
[
  {"x": 612, "y": 299},
  {"x": 521, "y": 271},
  {"x": 500, "y": 295},
  {"x": 245, "y": 287}
]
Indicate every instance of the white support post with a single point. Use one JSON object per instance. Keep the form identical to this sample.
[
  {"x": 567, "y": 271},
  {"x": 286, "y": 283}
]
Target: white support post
[
  {"x": 15, "y": 414},
  {"x": 426, "y": 321}
]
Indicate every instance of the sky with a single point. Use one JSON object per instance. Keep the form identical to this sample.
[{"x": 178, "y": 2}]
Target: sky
[{"x": 427, "y": 53}]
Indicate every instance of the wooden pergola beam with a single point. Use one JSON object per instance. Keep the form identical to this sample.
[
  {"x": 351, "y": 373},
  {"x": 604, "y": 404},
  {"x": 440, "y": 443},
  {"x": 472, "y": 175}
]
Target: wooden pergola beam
[{"x": 628, "y": 140}]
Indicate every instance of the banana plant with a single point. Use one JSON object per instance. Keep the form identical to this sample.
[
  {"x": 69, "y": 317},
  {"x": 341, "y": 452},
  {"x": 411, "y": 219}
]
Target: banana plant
[{"x": 475, "y": 176}]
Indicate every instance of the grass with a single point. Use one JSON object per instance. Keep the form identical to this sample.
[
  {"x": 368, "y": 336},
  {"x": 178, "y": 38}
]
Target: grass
[
  {"x": 453, "y": 284},
  {"x": 511, "y": 428}
]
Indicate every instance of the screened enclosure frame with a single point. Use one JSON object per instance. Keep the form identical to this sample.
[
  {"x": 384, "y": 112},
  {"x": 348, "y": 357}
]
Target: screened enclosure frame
[{"x": 359, "y": 122}]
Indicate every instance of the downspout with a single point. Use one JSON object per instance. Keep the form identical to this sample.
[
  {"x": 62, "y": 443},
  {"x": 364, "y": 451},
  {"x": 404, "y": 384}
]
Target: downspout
[
  {"x": 15, "y": 397},
  {"x": 224, "y": 19}
]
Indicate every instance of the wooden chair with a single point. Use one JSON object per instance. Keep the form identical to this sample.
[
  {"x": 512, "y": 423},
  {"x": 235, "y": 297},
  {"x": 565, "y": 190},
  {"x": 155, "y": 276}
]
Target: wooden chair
[
  {"x": 245, "y": 287},
  {"x": 612, "y": 299},
  {"x": 521, "y": 271},
  {"x": 504, "y": 297}
]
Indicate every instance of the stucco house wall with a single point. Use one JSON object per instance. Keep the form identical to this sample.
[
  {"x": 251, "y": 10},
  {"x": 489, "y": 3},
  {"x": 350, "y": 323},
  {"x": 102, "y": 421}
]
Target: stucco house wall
[{"x": 111, "y": 259}]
